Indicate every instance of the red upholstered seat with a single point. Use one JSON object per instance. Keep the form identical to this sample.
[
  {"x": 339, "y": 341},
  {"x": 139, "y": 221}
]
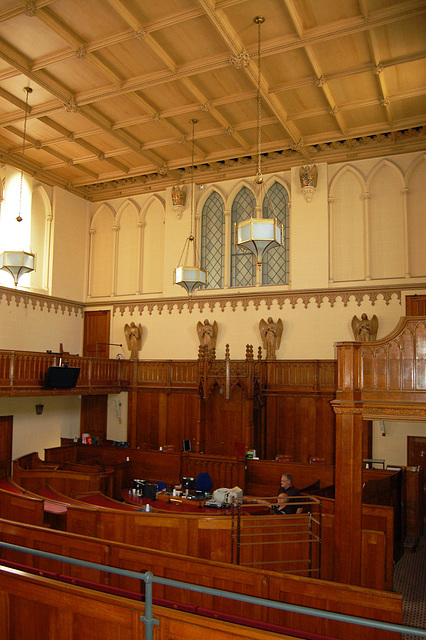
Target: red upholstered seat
[{"x": 316, "y": 460}]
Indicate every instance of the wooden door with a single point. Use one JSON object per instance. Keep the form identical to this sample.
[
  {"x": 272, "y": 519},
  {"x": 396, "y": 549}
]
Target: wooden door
[
  {"x": 415, "y": 305},
  {"x": 96, "y": 337},
  {"x": 6, "y": 432}
]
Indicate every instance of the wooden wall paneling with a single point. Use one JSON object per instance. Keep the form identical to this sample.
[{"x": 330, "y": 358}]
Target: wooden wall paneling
[
  {"x": 367, "y": 439},
  {"x": 148, "y": 426},
  {"x": 159, "y": 425},
  {"x": 263, "y": 476},
  {"x": 373, "y": 559},
  {"x": 93, "y": 415},
  {"x": 6, "y": 437},
  {"x": 181, "y": 418},
  {"x": 285, "y": 427},
  {"x": 225, "y": 421},
  {"x": 325, "y": 429}
]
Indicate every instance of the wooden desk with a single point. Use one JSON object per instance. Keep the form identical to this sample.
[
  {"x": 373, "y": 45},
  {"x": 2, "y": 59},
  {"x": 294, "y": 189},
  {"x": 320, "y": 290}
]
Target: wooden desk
[{"x": 171, "y": 504}]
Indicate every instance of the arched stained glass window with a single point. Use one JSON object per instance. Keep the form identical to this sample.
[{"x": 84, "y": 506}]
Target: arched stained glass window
[
  {"x": 213, "y": 240},
  {"x": 243, "y": 265},
  {"x": 275, "y": 264}
]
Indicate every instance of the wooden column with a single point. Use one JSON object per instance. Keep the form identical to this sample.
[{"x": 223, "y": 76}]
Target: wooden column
[
  {"x": 348, "y": 473},
  {"x": 132, "y": 411}
]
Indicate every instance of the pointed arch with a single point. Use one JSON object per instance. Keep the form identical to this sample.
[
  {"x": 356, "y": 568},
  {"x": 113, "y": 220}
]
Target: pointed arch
[
  {"x": 152, "y": 222},
  {"x": 213, "y": 238},
  {"x": 129, "y": 203},
  {"x": 387, "y": 221},
  {"x": 100, "y": 211},
  {"x": 348, "y": 224},
  {"x": 243, "y": 265},
  {"x": 347, "y": 168},
  {"x": 127, "y": 248},
  {"x": 41, "y": 237},
  {"x": 236, "y": 190},
  {"x": 275, "y": 264},
  {"x": 101, "y": 261},
  {"x": 416, "y": 227}
]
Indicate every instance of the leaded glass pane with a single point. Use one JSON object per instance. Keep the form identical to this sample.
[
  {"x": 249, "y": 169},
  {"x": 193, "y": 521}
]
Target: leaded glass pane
[
  {"x": 212, "y": 240},
  {"x": 243, "y": 264},
  {"x": 275, "y": 263}
]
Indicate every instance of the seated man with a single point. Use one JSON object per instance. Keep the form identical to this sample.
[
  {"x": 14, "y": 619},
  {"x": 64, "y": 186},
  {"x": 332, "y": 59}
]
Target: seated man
[{"x": 287, "y": 494}]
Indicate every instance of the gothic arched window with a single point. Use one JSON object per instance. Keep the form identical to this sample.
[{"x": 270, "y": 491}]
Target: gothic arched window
[
  {"x": 213, "y": 240},
  {"x": 243, "y": 265}
]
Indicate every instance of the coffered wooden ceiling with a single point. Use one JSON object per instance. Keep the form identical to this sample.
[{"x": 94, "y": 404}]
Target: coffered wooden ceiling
[{"x": 116, "y": 83}]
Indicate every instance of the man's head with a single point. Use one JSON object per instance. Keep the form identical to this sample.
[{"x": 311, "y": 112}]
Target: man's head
[
  {"x": 286, "y": 480},
  {"x": 282, "y": 499}
]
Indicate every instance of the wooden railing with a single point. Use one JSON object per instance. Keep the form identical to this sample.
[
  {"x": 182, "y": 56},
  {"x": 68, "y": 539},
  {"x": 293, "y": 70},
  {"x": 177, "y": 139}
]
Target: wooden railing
[
  {"x": 23, "y": 373},
  {"x": 295, "y": 590}
]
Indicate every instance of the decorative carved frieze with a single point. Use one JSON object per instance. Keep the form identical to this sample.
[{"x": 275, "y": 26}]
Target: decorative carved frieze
[
  {"x": 44, "y": 302},
  {"x": 234, "y": 301}
]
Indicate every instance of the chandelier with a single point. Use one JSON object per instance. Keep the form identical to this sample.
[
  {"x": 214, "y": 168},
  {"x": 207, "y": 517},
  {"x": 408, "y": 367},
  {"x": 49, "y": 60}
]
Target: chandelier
[
  {"x": 189, "y": 274},
  {"x": 259, "y": 234},
  {"x": 17, "y": 263}
]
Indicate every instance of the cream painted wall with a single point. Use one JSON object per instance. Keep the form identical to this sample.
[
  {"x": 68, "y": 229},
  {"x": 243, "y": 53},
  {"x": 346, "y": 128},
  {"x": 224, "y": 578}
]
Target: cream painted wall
[
  {"x": 26, "y": 329},
  {"x": 70, "y": 245},
  {"x": 309, "y": 243},
  {"x": 308, "y": 332},
  {"x": 60, "y": 418},
  {"x": 392, "y": 447}
]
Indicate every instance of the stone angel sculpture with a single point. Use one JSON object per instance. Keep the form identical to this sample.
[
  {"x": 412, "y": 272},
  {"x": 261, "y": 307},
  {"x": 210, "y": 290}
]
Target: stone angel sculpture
[
  {"x": 271, "y": 333},
  {"x": 365, "y": 330},
  {"x": 133, "y": 335},
  {"x": 207, "y": 334}
]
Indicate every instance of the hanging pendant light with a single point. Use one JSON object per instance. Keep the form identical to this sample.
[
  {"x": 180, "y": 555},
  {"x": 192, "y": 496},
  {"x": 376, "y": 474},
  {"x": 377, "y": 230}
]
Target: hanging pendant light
[
  {"x": 258, "y": 234},
  {"x": 17, "y": 263},
  {"x": 189, "y": 274}
]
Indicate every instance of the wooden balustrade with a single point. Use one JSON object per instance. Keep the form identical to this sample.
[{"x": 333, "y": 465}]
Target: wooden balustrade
[{"x": 23, "y": 373}]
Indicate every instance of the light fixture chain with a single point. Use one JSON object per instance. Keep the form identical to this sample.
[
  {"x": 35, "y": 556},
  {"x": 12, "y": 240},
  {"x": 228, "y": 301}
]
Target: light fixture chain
[
  {"x": 193, "y": 122},
  {"x": 259, "y": 102},
  {"x": 27, "y": 90}
]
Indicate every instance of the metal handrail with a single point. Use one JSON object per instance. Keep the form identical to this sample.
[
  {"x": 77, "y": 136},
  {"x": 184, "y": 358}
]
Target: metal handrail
[{"x": 149, "y": 579}]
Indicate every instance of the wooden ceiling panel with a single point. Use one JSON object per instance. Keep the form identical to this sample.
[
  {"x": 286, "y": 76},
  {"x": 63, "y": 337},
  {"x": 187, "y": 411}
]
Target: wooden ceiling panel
[
  {"x": 115, "y": 83},
  {"x": 350, "y": 52},
  {"x": 224, "y": 84},
  {"x": 30, "y": 36},
  {"x": 315, "y": 14},
  {"x": 277, "y": 23},
  {"x": 347, "y": 92},
  {"x": 366, "y": 119},
  {"x": 401, "y": 39},
  {"x": 91, "y": 20},
  {"x": 407, "y": 110},
  {"x": 179, "y": 42},
  {"x": 78, "y": 76},
  {"x": 177, "y": 97},
  {"x": 404, "y": 78},
  {"x": 133, "y": 58},
  {"x": 303, "y": 100},
  {"x": 157, "y": 13},
  {"x": 288, "y": 68},
  {"x": 120, "y": 109}
]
